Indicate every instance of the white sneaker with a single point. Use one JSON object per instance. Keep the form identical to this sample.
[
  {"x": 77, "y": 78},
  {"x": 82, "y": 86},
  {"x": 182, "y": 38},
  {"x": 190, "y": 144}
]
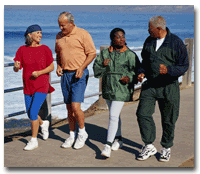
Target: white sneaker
[
  {"x": 147, "y": 151},
  {"x": 31, "y": 145},
  {"x": 80, "y": 141},
  {"x": 165, "y": 154},
  {"x": 68, "y": 143},
  {"x": 106, "y": 151},
  {"x": 117, "y": 144},
  {"x": 45, "y": 129}
]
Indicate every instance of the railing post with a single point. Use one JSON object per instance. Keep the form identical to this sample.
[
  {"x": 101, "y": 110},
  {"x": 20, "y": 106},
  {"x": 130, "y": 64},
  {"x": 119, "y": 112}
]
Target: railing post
[
  {"x": 186, "y": 79},
  {"x": 45, "y": 110},
  {"x": 102, "y": 103}
]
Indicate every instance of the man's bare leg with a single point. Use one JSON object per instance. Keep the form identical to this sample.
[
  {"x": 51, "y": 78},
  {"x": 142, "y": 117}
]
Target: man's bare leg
[
  {"x": 79, "y": 114},
  {"x": 71, "y": 118}
]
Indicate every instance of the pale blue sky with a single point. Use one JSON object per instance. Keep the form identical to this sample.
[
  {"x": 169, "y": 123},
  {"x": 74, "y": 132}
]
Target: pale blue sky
[{"x": 106, "y": 8}]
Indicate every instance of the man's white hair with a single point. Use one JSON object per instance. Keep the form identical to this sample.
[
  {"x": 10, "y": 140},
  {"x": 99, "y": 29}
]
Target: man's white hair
[
  {"x": 158, "y": 21},
  {"x": 69, "y": 16}
]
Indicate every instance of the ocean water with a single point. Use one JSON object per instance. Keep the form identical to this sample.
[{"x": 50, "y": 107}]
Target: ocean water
[{"x": 97, "y": 24}]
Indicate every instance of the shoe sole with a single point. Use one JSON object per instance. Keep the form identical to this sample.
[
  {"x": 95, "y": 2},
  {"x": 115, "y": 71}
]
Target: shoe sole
[
  {"x": 65, "y": 147},
  {"x": 77, "y": 148},
  {"x": 163, "y": 160},
  {"x": 148, "y": 156},
  {"x": 30, "y": 149},
  {"x": 105, "y": 155}
]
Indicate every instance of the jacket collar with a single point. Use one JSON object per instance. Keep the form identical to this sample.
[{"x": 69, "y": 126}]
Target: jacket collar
[
  {"x": 168, "y": 36},
  {"x": 121, "y": 51}
]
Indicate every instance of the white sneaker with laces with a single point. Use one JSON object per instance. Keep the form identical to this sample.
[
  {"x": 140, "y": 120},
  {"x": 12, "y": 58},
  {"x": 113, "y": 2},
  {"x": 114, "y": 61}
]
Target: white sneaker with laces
[
  {"x": 45, "y": 129},
  {"x": 146, "y": 152},
  {"x": 165, "y": 154},
  {"x": 106, "y": 151},
  {"x": 31, "y": 145},
  {"x": 80, "y": 141},
  {"x": 117, "y": 144},
  {"x": 68, "y": 143}
]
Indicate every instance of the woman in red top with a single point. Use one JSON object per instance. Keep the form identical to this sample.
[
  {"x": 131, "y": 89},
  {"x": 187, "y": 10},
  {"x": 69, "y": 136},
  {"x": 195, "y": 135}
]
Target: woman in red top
[{"x": 37, "y": 62}]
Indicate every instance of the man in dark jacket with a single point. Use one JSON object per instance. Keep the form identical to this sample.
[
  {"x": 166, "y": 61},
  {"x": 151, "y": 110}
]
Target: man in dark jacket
[{"x": 164, "y": 60}]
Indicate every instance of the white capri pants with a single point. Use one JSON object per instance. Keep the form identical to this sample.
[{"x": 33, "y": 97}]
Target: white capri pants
[{"x": 114, "y": 127}]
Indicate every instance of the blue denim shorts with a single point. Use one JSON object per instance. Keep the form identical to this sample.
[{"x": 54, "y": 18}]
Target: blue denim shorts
[{"x": 73, "y": 88}]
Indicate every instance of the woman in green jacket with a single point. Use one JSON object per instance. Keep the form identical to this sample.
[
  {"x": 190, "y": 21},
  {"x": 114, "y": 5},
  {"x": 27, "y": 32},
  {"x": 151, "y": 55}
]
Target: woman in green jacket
[{"x": 118, "y": 67}]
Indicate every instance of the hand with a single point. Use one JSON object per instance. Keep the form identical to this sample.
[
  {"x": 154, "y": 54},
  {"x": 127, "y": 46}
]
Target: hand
[
  {"x": 59, "y": 72},
  {"x": 35, "y": 74},
  {"x": 125, "y": 79},
  {"x": 79, "y": 73},
  {"x": 140, "y": 77},
  {"x": 16, "y": 66},
  {"x": 163, "y": 69},
  {"x": 106, "y": 61}
]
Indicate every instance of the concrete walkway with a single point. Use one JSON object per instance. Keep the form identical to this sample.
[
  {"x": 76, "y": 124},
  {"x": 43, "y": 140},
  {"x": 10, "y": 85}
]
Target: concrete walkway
[{"x": 49, "y": 153}]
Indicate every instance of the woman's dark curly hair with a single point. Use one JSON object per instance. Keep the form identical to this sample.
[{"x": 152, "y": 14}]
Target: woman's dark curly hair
[{"x": 112, "y": 34}]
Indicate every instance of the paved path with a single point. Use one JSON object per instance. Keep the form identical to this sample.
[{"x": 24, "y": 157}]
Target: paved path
[{"x": 49, "y": 153}]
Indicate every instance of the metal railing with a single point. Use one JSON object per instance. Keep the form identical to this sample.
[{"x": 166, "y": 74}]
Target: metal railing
[
  {"x": 186, "y": 81},
  {"x": 52, "y": 104}
]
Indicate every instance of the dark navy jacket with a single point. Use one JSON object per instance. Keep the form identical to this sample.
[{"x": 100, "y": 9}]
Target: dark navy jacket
[{"x": 172, "y": 53}]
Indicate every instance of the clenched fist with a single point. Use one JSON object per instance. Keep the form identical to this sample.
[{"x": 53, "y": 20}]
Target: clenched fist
[
  {"x": 163, "y": 69},
  {"x": 35, "y": 74},
  {"x": 140, "y": 77},
  {"x": 106, "y": 62},
  {"x": 16, "y": 66},
  {"x": 125, "y": 79}
]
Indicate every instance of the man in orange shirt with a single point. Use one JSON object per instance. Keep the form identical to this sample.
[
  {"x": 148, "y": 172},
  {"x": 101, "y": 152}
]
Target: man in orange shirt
[{"x": 75, "y": 51}]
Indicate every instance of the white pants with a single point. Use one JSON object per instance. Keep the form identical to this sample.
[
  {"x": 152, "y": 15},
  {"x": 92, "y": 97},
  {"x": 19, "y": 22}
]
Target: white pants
[{"x": 114, "y": 127}]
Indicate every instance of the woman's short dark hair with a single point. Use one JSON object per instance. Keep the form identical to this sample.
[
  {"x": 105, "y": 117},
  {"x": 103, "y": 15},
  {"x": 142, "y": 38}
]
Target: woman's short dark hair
[{"x": 112, "y": 33}]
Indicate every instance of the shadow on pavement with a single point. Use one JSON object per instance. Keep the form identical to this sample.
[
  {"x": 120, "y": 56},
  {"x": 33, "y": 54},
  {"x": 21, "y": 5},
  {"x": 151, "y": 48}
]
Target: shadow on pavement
[{"x": 99, "y": 134}]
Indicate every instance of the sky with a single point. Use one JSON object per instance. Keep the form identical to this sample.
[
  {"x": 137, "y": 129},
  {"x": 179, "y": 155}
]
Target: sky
[{"x": 107, "y": 8}]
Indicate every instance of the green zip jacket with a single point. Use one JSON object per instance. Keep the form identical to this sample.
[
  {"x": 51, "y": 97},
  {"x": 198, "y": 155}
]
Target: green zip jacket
[{"x": 122, "y": 64}]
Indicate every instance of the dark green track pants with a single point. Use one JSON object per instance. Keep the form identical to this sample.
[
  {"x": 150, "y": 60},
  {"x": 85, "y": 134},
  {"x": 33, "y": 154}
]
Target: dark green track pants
[{"x": 168, "y": 98}]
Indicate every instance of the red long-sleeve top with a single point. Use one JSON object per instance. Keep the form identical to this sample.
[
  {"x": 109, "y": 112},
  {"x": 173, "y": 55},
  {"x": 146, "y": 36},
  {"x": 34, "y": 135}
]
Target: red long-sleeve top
[{"x": 35, "y": 59}]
